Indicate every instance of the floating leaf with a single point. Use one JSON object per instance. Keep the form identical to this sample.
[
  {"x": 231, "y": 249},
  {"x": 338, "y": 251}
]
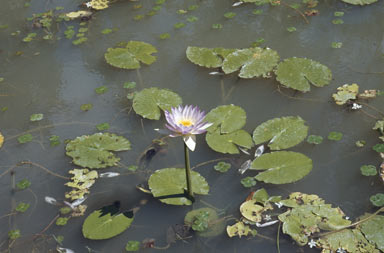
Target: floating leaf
[
  {"x": 1, "y": 140},
  {"x": 368, "y": 170},
  {"x": 99, "y": 225},
  {"x": 229, "y": 15},
  {"x": 226, "y": 118},
  {"x": 101, "y": 90},
  {"x": 129, "y": 85},
  {"x": 360, "y": 2},
  {"x": 62, "y": 221},
  {"x": 291, "y": 29},
  {"x": 227, "y": 143},
  {"x": 107, "y": 31},
  {"x": 14, "y": 234},
  {"x": 222, "y": 167},
  {"x": 131, "y": 55},
  {"x": 25, "y": 138},
  {"x": 36, "y": 117},
  {"x": 217, "y": 26},
  {"x": 338, "y": 21},
  {"x": 78, "y": 14},
  {"x": 248, "y": 182},
  {"x": 192, "y": 19},
  {"x": 360, "y": 143},
  {"x": 207, "y": 57},
  {"x": 373, "y": 230},
  {"x": 23, "y": 184},
  {"x": 98, "y": 4},
  {"x": 22, "y": 207},
  {"x": 377, "y": 200},
  {"x": 171, "y": 181},
  {"x": 132, "y": 246},
  {"x": 148, "y": 102},
  {"x": 94, "y": 151},
  {"x": 338, "y": 13},
  {"x": 336, "y": 44},
  {"x": 282, "y": 167},
  {"x": 315, "y": 139},
  {"x": 282, "y": 132},
  {"x": 54, "y": 140},
  {"x": 252, "y": 211},
  {"x": 164, "y": 36},
  {"x": 240, "y": 229},
  {"x": 179, "y": 25},
  {"x": 335, "y": 136},
  {"x": 345, "y": 93},
  {"x": 65, "y": 210},
  {"x": 86, "y": 107},
  {"x": 379, "y": 148},
  {"x": 102, "y": 126},
  {"x": 309, "y": 214},
  {"x": 297, "y": 73},
  {"x": 252, "y": 62},
  {"x": 205, "y": 221}
]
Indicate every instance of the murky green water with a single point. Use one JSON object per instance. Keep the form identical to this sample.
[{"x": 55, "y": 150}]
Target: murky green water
[{"x": 55, "y": 78}]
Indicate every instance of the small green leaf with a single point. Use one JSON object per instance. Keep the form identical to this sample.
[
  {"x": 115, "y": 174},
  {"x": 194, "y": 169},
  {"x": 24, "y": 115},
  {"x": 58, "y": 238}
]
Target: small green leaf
[
  {"x": 22, "y": 207},
  {"x": 14, "y": 234},
  {"x": 257, "y": 11},
  {"x": 101, "y": 90},
  {"x": 79, "y": 41},
  {"x": 69, "y": 33},
  {"x": 25, "y": 138},
  {"x": 193, "y": 7},
  {"x": 337, "y": 44},
  {"x": 62, "y": 221},
  {"x": 258, "y": 42},
  {"x": 379, "y": 148},
  {"x": 360, "y": 143},
  {"x": 179, "y": 25},
  {"x": 315, "y": 139},
  {"x": 129, "y": 85},
  {"x": 54, "y": 140},
  {"x": 338, "y": 13},
  {"x": 377, "y": 200},
  {"x": 36, "y": 117},
  {"x": 229, "y": 15},
  {"x": 59, "y": 239},
  {"x": 335, "y": 136},
  {"x": 83, "y": 30},
  {"x": 132, "y": 168},
  {"x": 86, "y": 107},
  {"x": 159, "y": 2},
  {"x": 23, "y": 184},
  {"x": 368, "y": 170},
  {"x": 205, "y": 221},
  {"x": 222, "y": 167},
  {"x": 291, "y": 29},
  {"x": 164, "y": 36},
  {"x": 217, "y": 26},
  {"x": 65, "y": 210},
  {"x": 157, "y": 7},
  {"x": 138, "y": 17},
  {"x": 102, "y": 126},
  {"x": 107, "y": 31},
  {"x": 192, "y": 19},
  {"x": 132, "y": 246},
  {"x": 338, "y": 21},
  {"x": 248, "y": 182}
]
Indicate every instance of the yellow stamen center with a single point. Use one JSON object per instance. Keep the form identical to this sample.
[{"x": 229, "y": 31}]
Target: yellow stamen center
[{"x": 185, "y": 122}]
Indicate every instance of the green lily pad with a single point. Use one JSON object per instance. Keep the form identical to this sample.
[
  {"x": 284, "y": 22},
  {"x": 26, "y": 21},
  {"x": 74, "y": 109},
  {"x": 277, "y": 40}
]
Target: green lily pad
[
  {"x": 282, "y": 167},
  {"x": 14, "y": 234},
  {"x": 309, "y": 214},
  {"x": 132, "y": 246},
  {"x": 252, "y": 62},
  {"x": 227, "y": 143},
  {"x": 373, "y": 230},
  {"x": 172, "y": 181},
  {"x": 248, "y": 182},
  {"x": 283, "y": 132},
  {"x": 297, "y": 73},
  {"x": 252, "y": 211},
  {"x": 98, "y": 226},
  {"x": 335, "y": 136},
  {"x": 62, "y": 221},
  {"x": 205, "y": 218},
  {"x": 207, "y": 57},
  {"x": 222, "y": 167},
  {"x": 36, "y": 117},
  {"x": 377, "y": 200},
  {"x": 368, "y": 170},
  {"x": 227, "y": 118},
  {"x": 130, "y": 56},
  {"x": 359, "y": 2},
  {"x": 23, "y": 184},
  {"x": 379, "y": 147},
  {"x": 25, "y": 138},
  {"x": 22, "y": 207},
  {"x": 94, "y": 151},
  {"x": 345, "y": 93},
  {"x": 315, "y": 139},
  {"x": 148, "y": 102}
]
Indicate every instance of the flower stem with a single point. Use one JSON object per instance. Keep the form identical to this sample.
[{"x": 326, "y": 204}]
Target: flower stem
[{"x": 188, "y": 172}]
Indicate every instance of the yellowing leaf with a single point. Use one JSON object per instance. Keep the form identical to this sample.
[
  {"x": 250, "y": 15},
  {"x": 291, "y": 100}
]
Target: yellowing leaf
[
  {"x": 345, "y": 93},
  {"x": 1, "y": 140},
  {"x": 239, "y": 229},
  {"x": 98, "y": 4},
  {"x": 78, "y": 14}
]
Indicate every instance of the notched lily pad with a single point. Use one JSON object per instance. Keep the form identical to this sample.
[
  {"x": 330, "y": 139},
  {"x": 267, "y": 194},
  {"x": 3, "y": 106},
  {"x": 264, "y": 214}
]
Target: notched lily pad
[
  {"x": 345, "y": 93},
  {"x": 282, "y": 167},
  {"x": 172, "y": 181},
  {"x": 130, "y": 56},
  {"x": 207, "y": 57},
  {"x": 298, "y": 73},
  {"x": 282, "y": 132},
  {"x": 227, "y": 143},
  {"x": 148, "y": 102},
  {"x": 252, "y": 62},
  {"x": 240, "y": 229},
  {"x": 94, "y": 151},
  {"x": 227, "y": 118}
]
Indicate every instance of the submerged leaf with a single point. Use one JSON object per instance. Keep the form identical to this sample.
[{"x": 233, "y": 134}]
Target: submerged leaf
[
  {"x": 282, "y": 167},
  {"x": 148, "y": 102},
  {"x": 94, "y": 151},
  {"x": 207, "y": 219},
  {"x": 282, "y": 132},
  {"x": 171, "y": 181},
  {"x": 252, "y": 62},
  {"x": 130, "y": 56},
  {"x": 298, "y": 73}
]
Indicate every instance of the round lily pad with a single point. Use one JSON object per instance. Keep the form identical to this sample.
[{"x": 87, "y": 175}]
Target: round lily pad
[
  {"x": 359, "y": 2},
  {"x": 94, "y": 151},
  {"x": 227, "y": 143},
  {"x": 98, "y": 226},
  {"x": 368, "y": 170},
  {"x": 212, "y": 220},
  {"x": 377, "y": 200},
  {"x": 130, "y": 56},
  {"x": 171, "y": 181},
  {"x": 227, "y": 118},
  {"x": 148, "y": 102},
  {"x": 282, "y": 167},
  {"x": 297, "y": 73},
  {"x": 282, "y": 132},
  {"x": 252, "y": 62}
]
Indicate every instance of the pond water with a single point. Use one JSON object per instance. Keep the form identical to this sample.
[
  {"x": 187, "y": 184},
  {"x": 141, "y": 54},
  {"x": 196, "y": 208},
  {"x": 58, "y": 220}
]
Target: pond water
[{"x": 55, "y": 77}]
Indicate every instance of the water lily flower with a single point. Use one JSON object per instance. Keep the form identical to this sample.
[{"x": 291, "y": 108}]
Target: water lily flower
[
  {"x": 312, "y": 244},
  {"x": 186, "y": 121},
  {"x": 50, "y": 200}
]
